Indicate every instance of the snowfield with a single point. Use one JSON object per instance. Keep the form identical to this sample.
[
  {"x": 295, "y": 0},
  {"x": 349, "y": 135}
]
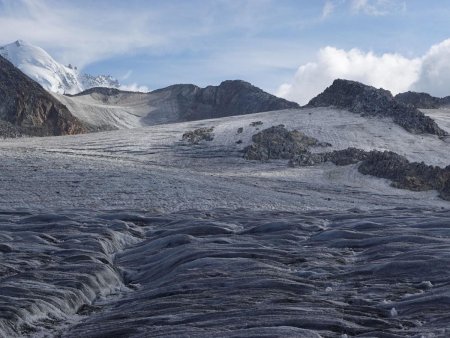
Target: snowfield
[
  {"x": 151, "y": 168},
  {"x": 441, "y": 116},
  {"x": 134, "y": 232}
]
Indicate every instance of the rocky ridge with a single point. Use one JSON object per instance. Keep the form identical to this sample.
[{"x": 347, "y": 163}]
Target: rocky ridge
[
  {"x": 422, "y": 100},
  {"x": 27, "y": 109},
  {"x": 370, "y": 101},
  {"x": 385, "y": 164},
  {"x": 338, "y": 157},
  {"x": 231, "y": 97}
]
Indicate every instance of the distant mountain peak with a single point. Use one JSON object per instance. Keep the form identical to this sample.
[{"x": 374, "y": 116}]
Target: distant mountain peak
[{"x": 53, "y": 76}]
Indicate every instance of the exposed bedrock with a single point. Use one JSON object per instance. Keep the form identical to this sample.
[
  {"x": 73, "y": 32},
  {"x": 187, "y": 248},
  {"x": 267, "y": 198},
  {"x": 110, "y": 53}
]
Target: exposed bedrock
[
  {"x": 28, "y": 109},
  {"x": 278, "y": 143},
  {"x": 338, "y": 157},
  {"x": 370, "y": 101},
  {"x": 232, "y": 97},
  {"x": 387, "y": 164},
  {"x": 404, "y": 174},
  {"x": 198, "y": 135},
  {"x": 422, "y": 100}
]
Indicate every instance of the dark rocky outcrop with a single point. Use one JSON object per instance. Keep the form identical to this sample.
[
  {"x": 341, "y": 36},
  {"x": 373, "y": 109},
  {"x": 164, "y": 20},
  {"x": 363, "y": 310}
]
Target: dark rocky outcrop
[
  {"x": 256, "y": 123},
  {"x": 8, "y": 130},
  {"x": 26, "y": 108},
  {"x": 445, "y": 191},
  {"x": 338, "y": 157},
  {"x": 370, "y": 101},
  {"x": 404, "y": 174},
  {"x": 198, "y": 135},
  {"x": 422, "y": 100},
  {"x": 278, "y": 143},
  {"x": 387, "y": 164}
]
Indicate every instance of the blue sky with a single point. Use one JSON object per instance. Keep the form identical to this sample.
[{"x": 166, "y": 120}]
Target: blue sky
[{"x": 286, "y": 47}]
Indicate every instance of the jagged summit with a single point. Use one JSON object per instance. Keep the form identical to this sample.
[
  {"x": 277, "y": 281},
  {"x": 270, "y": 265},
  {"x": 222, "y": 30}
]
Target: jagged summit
[
  {"x": 422, "y": 100},
  {"x": 346, "y": 94},
  {"x": 37, "y": 64},
  {"x": 370, "y": 101}
]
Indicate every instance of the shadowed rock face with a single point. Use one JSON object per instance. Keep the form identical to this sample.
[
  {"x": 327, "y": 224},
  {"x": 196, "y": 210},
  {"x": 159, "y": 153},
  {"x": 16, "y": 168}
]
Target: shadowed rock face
[
  {"x": 26, "y": 108},
  {"x": 369, "y": 101},
  {"x": 422, "y": 100}
]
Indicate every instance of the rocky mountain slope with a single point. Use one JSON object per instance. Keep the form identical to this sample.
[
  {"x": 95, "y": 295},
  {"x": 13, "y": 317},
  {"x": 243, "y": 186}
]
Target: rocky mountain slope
[
  {"x": 370, "y": 101},
  {"x": 50, "y": 74},
  {"x": 108, "y": 107},
  {"x": 229, "y": 98},
  {"x": 26, "y": 108},
  {"x": 422, "y": 100}
]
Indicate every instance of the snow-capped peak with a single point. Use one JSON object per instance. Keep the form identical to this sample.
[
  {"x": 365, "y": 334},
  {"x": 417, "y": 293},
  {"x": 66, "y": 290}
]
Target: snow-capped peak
[{"x": 50, "y": 74}]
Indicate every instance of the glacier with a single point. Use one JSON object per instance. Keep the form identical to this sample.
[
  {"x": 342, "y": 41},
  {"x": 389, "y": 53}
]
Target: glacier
[
  {"x": 224, "y": 273},
  {"x": 138, "y": 233}
]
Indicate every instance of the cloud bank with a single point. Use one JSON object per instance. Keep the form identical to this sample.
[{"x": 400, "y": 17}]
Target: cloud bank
[{"x": 429, "y": 73}]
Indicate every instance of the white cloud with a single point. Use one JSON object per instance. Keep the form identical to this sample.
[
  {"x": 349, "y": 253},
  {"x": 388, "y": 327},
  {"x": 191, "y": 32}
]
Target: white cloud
[
  {"x": 134, "y": 87},
  {"x": 328, "y": 9},
  {"x": 390, "y": 71},
  {"x": 429, "y": 73},
  {"x": 78, "y": 34},
  {"x": 86, "y": 33},
  {"x": 435, "y": 71}
]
